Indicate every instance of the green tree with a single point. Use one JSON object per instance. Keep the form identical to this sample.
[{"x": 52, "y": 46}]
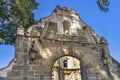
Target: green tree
[
  {"x": 12, "y": 14},
  {"x": 103, "y": 5}
]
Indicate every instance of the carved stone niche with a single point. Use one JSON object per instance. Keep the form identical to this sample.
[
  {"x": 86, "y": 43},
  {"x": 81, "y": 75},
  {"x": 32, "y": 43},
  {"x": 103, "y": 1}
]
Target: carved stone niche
[
  {"x": 34, "y": 32},
  {"x": 52, "y": 30},
  {"x": 66, "y": 27}
]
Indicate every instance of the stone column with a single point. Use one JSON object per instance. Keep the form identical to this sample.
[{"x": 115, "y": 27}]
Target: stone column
[
  {"x": 61, "y": 76},
  {"x": 59, "y": 24},
  {"x": 73, "y": 76},
  {"x": 56, "y": 73},
  {"x": 83, "y": 71}
]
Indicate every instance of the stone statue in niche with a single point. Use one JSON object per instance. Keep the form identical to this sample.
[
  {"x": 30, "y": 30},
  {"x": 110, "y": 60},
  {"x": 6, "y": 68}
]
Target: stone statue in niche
[
  {"x": 34, "y": 32},
  {"x": 66, "y": 26},
  {"x": 70, "y": 51},
  {"x": 52, "y": 30},
  {"x": 32, "y": 52}
]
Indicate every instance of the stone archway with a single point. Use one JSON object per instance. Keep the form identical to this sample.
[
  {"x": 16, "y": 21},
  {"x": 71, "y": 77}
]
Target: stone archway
[
  {"x": 53, "y": 54},
  {"x": 67, "y": 68},
  {"x": 61, "y": 34}
]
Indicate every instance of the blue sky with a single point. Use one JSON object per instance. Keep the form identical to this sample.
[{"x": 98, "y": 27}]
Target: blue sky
[{"x": 104, "y": 24}]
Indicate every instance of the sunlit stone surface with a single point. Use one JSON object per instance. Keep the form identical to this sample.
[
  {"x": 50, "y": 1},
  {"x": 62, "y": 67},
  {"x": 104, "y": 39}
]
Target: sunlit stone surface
[{"x": 60, "y": 47}]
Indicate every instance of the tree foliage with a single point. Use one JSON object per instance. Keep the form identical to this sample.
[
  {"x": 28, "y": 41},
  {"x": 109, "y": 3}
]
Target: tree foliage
[
  {"x": 103, "y": 5},
  {"x": 12, "y": 14}
]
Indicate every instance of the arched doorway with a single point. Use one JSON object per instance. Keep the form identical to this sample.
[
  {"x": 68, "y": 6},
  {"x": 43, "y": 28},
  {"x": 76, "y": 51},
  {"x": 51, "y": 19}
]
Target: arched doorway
[{"x": 67, "y": 68}]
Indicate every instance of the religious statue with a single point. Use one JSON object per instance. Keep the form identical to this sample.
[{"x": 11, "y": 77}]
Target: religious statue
[{"x": 32, "y": 53}]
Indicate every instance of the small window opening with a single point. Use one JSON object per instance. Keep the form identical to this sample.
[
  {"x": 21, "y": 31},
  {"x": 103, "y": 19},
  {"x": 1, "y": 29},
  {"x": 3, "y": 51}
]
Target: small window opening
[{"x": 65, "y": 63}]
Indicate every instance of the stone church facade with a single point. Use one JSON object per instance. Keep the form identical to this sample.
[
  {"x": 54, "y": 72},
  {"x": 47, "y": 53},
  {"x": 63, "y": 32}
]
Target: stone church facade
[{"x": 61, "y": 47}]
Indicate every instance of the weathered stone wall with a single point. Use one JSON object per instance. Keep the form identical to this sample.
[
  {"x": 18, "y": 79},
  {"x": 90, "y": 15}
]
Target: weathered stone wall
[
  {"x": 49, "y": 44},
  {"x": 42, "y": 68},
  {"x": 116, "y": 67}
]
